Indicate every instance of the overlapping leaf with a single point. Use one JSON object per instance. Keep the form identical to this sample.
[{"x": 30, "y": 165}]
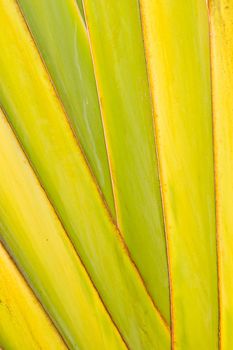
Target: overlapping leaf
[
  {"x": 37, "y": 116},
  {"x": 35, "y": 238}
]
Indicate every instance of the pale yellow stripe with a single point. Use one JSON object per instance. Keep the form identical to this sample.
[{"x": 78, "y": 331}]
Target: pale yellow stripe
[
  {"x": 221, "y": 35},
  {"x": 23, "y": 322}
]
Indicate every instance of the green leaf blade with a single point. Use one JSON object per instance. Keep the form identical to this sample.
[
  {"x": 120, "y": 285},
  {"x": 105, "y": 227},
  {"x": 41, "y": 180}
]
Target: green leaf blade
[
  {"x": 118, "y": 54},
  {"x": 61, "y": 37}
]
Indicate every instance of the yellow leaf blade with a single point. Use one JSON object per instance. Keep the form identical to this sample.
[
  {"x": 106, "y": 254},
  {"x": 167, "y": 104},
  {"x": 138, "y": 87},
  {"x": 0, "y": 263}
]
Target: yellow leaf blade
[
  {"x": 221, "y": 34},
  {"x": 23, "y": 322},
  {"x": 177, "y": 50}
]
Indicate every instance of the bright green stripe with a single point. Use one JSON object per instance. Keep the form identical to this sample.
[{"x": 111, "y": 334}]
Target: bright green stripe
[
  {"x": 117, "y": 45},
  {"x": 61, "y": 36},
  {"x": 40, "y": 123},
  {"x": 177, "y": 45}
]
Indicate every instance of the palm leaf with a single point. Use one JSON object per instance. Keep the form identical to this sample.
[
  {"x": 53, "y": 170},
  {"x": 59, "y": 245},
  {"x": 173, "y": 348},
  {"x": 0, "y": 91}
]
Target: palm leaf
[
  {"x": 177, "y": 46},
  {"x": 116, "y": 174},
  {"x": 40, "y": 123}
]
